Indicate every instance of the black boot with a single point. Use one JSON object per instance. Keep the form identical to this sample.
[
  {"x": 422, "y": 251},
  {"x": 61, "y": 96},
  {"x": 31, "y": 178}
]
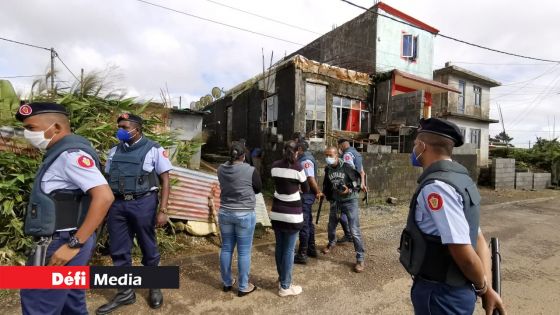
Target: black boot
[
  {"x": 300, "y": 258},
  {"x": 312, "y": 251},
  {"x": 155, "y": 298},
  {"x": 123, "y": 297}
]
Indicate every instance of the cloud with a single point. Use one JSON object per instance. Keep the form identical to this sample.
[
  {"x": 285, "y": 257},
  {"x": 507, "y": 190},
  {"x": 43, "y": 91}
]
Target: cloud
[{"x": 154, "y": 48}]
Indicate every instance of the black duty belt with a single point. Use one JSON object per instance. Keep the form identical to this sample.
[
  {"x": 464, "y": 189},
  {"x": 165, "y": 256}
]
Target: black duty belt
[{"x": 128, "y": 197}]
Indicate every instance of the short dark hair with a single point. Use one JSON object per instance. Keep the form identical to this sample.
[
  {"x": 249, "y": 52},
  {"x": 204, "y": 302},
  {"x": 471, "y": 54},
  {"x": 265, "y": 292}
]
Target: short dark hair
[{"x": 440, "y": 144}]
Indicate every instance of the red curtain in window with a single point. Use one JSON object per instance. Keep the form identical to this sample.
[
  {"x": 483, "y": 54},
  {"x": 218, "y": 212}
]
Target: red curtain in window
[{"x": 353, "y": 122}]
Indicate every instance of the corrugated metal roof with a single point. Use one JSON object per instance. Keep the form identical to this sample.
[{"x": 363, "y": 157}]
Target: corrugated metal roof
[{"x": 188, "y": 199}]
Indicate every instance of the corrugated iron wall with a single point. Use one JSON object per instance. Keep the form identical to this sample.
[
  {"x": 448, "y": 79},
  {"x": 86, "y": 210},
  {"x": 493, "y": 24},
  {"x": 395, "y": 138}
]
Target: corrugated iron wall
[{"x": 188, "y": 199}]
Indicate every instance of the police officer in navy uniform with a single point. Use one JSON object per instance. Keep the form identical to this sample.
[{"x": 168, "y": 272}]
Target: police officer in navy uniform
[
  {"x": 307, "y": 247},
  {"x": 69, "y": 199},
  {"x": 352, "y": 157},
  {"x": 137, "y": 168},
  {"x": 442, "y": 246}
]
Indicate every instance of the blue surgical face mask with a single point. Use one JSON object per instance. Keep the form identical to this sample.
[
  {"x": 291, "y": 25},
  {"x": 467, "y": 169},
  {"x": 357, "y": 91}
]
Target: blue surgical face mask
[
  {"x": 330, "y": 160},
  {"x": 414, "y": 158},
  {"x": 123, "y": 135}
]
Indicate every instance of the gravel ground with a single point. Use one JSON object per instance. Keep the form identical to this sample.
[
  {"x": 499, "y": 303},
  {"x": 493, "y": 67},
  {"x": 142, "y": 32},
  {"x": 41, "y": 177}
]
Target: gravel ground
[{"x": 525, "y": 221}]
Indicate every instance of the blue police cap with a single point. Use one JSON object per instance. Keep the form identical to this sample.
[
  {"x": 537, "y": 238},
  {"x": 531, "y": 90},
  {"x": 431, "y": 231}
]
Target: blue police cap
[
  {"x": 130, "y": 117},
  {"x": 28, "y": 110},
  {"x": 442, "y": 128}
]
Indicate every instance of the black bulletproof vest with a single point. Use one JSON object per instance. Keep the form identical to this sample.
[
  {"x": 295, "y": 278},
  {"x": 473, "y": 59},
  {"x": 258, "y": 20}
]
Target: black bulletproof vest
[
  {"x": 424, "y": 255},
  {"x": 126, "y": 172},
  {"x": 62, "y": 208}
]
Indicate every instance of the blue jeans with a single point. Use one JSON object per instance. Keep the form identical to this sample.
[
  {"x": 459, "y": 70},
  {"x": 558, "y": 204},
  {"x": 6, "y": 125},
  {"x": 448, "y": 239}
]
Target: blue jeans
[
  {"x": 436, "y": 298},
  {"x": 284, "y": 254},
  {"x": 352, "y": 211},
  {"x": 59, "y": 301},
  {"x": 236, "y": 227},
  {"x": 307, "y": 232}
]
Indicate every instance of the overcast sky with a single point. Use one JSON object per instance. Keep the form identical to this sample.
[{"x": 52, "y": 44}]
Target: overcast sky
[{"x": 152, "y": 48}]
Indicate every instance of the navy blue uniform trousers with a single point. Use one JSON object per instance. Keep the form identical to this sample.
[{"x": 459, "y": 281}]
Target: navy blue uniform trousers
[
  {"x": 307, "y": 232},
  {"x": 129, "y": 219},
  {"x": 435, "y": 298},
  {"x": 58, "y": 301}
]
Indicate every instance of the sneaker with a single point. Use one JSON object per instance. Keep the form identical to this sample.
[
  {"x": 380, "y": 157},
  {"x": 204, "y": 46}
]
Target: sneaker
[
  {"x": 227, "y": 288},
  {"x": 345, "y": 239},
  {"x": 252, "y": 288},
  {"x": 359, "y": 267},
  {"x": 292, "y": 290},
  {"x": 327, "y": 249},
  {"x": 300, "y": 259}
]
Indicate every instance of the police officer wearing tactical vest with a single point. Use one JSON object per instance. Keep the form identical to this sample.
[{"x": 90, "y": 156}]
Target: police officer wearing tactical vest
[
  {"x": 307, "y": 247},
  {"x": 137, "y": 168},
  {"x": 442, "y": 246},
  {"x": 69, "y": 199}
]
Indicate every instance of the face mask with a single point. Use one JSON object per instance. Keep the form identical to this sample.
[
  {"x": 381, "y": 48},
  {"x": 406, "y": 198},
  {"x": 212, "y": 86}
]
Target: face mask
[
  {"x": 330, "y": 160},
  {"x": 37, "y": 138},
  {"x": 414, "y": 158},
  {"x": 123, "y": 135}
]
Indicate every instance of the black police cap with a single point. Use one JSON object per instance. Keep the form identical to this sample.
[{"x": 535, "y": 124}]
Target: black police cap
[
  {"x": 130, "y": 117},
  {"x": 442, "y": 128},
  {"x": 28, "y": 110},
  {"x": 342, "y": 140}
]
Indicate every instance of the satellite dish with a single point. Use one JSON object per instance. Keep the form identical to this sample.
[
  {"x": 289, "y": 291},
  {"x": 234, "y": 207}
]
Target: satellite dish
[
  {"x": 216, "y": 92},
  {"x": 192, "y": 105}
]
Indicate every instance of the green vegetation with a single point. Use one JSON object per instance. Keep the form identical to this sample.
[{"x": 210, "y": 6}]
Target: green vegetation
[
  {"x": 93, "y": 111},
  {"x": 540, "y": 157}
]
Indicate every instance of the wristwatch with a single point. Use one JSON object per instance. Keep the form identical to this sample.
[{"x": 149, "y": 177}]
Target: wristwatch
[
  {"x": 481, "y": 291},
  {"x": 74, "y": 242}
]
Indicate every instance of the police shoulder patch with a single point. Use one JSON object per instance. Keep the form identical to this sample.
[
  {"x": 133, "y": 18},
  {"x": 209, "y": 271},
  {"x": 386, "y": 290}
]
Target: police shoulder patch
[
  {"x": 435, "y": 202},
  {"x": 347, "y": 157},
  {"x": 306, "y": 165},
  {"x": 165, "y": 154},
  {"x": 85, "y": 162}
]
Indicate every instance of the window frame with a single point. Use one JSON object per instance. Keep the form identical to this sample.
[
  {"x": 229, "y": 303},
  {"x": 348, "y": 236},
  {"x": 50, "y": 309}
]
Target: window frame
[
  {"x": 412, "y": 53},
  {"x": 271, "y": 122},
  {"x": 476, "y": 139},
  {"x": 477, "y": 95},
  {"x": 363, "y": 108},
  {"x": 461, "y": 96},
  {"x": 317, "y": 133}
]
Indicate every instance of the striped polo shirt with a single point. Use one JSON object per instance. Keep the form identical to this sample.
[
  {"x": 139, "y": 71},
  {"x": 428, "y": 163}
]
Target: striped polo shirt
[{"x": 286, "y": 206}]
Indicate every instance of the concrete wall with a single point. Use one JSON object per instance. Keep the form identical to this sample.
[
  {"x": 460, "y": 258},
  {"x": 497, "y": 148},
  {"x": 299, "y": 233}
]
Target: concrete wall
[
  {"x": 351, "y": 45},
  {"x": 186, "y": 126},
  {"x": 470, "y": 109},
  {"x": 389, "y": 48},
  {"x": 541, "y": 180},
  {"x": 503, "y": 173},
  {"x": 524, "y": 180}
]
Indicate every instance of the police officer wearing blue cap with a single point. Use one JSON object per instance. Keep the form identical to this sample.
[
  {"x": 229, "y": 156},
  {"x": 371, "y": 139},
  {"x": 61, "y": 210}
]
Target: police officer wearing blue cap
[
  {"x": 69, "y": 199},
  {"x": 137, "y": 168},
  {"x": 442, "y": 246}
]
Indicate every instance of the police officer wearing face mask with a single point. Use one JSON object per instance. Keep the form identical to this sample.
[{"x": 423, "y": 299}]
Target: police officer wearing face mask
[
  {"x": 442, "y": 246},
  {"x": 69, "y": 199},
  {"x": 137, "y": 168}
]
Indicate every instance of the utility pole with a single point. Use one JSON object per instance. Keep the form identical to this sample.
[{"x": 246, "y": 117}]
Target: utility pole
[
  {"x": 180, "y": 106},
  {"x": 53, "y": 55},
  {"x": 82, "y": 84}
]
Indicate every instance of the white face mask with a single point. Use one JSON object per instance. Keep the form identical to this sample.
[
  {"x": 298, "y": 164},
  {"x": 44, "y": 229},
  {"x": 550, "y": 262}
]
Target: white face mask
[{"x": 37, "y": 138}]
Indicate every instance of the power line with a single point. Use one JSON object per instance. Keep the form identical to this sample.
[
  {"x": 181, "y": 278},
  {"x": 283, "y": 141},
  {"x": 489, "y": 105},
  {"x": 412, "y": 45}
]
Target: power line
[
  {"x": 449, "y": 37},
  {"x": 21, "y": 76},
  {"x": 220, "y": 23},
  {"x": 265, "y": 18},
  {"x": 65, "y": 66},
  {"x": 501, "y": 64},
  {"x": 24, "y": 44}
]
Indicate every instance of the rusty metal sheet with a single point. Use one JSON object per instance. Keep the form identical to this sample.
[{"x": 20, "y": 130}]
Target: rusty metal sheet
[{"x": 188, "y": 198}]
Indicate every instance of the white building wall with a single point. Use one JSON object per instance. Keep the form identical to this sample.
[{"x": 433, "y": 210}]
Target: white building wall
[
  {"x": 389, "y": 48},
  {"x": 484, "y": 133}
]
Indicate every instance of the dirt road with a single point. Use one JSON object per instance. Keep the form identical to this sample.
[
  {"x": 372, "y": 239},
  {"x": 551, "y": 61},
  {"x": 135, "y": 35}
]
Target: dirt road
[{"x": 528, "y": 230}]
